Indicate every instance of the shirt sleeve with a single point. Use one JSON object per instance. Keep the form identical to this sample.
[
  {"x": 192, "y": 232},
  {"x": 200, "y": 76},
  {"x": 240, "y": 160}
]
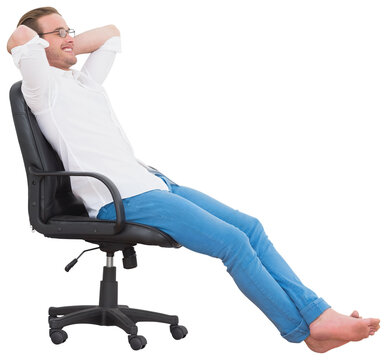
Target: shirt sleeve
[
  {"x": 100, "y": 61},
  {"x": 30, "y": 58}
]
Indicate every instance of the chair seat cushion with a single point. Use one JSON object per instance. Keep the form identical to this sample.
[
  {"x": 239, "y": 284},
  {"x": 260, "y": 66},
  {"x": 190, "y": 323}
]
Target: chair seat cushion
[{"x": 132, "y": 234}]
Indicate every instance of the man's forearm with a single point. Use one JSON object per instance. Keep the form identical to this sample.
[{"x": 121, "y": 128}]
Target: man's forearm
[{"x": 92, "y": 40}]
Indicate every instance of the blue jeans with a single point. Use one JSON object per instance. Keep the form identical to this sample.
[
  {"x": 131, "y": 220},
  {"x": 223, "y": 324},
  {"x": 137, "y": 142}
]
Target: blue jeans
[{"x": 203, "y": 224}]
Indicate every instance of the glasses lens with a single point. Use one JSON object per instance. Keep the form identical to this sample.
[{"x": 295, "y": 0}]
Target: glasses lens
[{"x": 62, "y": 33}]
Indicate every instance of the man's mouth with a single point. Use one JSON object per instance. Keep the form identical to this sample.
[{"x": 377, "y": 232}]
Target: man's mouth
[{"x": 67, "y": 49}]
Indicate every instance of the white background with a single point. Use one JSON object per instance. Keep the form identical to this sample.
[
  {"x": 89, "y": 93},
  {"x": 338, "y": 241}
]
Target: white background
[{"x": 276, "y": 108}]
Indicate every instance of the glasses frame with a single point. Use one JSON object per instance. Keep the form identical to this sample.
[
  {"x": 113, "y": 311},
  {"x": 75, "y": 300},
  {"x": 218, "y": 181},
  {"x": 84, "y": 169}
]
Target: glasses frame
[{"x": 62, "y": 32}]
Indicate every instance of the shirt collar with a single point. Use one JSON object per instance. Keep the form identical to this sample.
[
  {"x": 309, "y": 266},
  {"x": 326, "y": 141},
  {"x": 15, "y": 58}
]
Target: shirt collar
[{"x": 65, "y": 73}]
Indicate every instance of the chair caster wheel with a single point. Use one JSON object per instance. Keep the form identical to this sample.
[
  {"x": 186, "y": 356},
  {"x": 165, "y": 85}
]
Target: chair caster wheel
[
  {"x": 178, "y": 331},
  {"x": 137, "y": 342},
  {"x": 58, "y": 336}
]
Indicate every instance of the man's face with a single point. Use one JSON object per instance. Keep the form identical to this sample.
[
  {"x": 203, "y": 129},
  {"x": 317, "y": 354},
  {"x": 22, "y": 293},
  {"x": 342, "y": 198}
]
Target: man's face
[{"x": 60, "y": 52}]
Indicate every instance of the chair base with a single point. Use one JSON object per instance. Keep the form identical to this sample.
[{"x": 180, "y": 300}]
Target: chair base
[
  {"x": 108, "y": 313},
  {"x": 121, "y": 316}
]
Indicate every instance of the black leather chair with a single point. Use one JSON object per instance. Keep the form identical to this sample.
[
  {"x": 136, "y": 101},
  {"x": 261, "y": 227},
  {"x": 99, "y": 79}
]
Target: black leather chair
[{"x": 55, "y": 212}]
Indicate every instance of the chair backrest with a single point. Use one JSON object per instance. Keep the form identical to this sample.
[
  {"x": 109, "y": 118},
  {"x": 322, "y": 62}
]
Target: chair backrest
[{"x": 56, "y": 197}]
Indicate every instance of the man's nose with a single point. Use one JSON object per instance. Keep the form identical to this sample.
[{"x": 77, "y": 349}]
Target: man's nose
[{"x": 69, "y": 38}]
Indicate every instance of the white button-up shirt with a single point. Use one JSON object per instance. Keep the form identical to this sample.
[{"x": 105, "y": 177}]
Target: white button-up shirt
[{"x": 76, "y": 117}]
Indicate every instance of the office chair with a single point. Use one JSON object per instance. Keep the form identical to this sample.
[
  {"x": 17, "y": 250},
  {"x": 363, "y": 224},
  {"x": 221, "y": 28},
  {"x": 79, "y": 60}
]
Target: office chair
[{"x": 56, "y": 212}]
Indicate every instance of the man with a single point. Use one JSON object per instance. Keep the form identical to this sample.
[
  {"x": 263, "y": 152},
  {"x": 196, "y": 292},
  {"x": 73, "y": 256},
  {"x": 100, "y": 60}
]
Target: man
[{"x": 75, "y": 115}]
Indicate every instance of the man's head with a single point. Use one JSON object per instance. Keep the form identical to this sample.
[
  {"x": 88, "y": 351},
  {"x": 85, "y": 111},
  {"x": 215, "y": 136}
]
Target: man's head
[{"x": 48, "y": 20}]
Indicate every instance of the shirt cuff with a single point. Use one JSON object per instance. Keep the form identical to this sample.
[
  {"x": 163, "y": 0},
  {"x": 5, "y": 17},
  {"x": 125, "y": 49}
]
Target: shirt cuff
[
  {"x": 112, "y": 44},
  {"x": 26, "y": 49}
]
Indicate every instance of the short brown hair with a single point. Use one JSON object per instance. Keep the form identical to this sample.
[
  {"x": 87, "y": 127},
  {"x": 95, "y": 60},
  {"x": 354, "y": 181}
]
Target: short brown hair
[{"x": 30, "y": 18}]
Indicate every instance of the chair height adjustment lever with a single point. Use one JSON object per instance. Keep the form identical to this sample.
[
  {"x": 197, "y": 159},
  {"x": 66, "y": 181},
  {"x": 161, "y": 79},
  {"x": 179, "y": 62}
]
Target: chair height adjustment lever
[{"x": 73, "y": 262}]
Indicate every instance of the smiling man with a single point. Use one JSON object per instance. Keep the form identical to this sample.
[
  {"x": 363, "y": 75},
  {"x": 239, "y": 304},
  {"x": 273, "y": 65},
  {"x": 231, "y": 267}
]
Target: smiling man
[
  {"x": 71, "y": 107},
  {"x": 75, "y": 115}
]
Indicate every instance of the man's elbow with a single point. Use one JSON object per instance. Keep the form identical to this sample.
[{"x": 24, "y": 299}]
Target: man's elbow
[
  {"x": 20, "y": 36},
  {"x": 114, "y": 30}
]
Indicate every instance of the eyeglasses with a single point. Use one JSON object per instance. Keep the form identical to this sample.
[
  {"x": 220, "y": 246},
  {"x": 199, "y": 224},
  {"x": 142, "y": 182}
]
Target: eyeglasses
[{"x": 61, "y": 32}]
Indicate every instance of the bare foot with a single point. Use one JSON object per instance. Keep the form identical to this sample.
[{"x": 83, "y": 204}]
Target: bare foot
[
  {"x": 322, "y": 346},
  {"x": 373, "y": 329},
  {"x": 331, "y": 325}
]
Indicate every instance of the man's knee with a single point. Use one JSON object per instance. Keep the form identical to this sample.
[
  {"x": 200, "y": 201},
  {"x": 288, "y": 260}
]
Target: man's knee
[
  {"x": 257, "y": 235},
  {"x": 254, "y": 227},
  {"x": 235, "y": 248}
]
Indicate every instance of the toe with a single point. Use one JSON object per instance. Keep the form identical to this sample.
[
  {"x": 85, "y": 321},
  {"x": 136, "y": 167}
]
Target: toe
[{"x": 355, "y": 314}]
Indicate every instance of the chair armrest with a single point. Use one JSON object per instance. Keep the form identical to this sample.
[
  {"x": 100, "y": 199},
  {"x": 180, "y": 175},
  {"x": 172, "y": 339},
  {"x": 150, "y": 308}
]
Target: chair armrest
[{"x": 120, "y": 212}]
